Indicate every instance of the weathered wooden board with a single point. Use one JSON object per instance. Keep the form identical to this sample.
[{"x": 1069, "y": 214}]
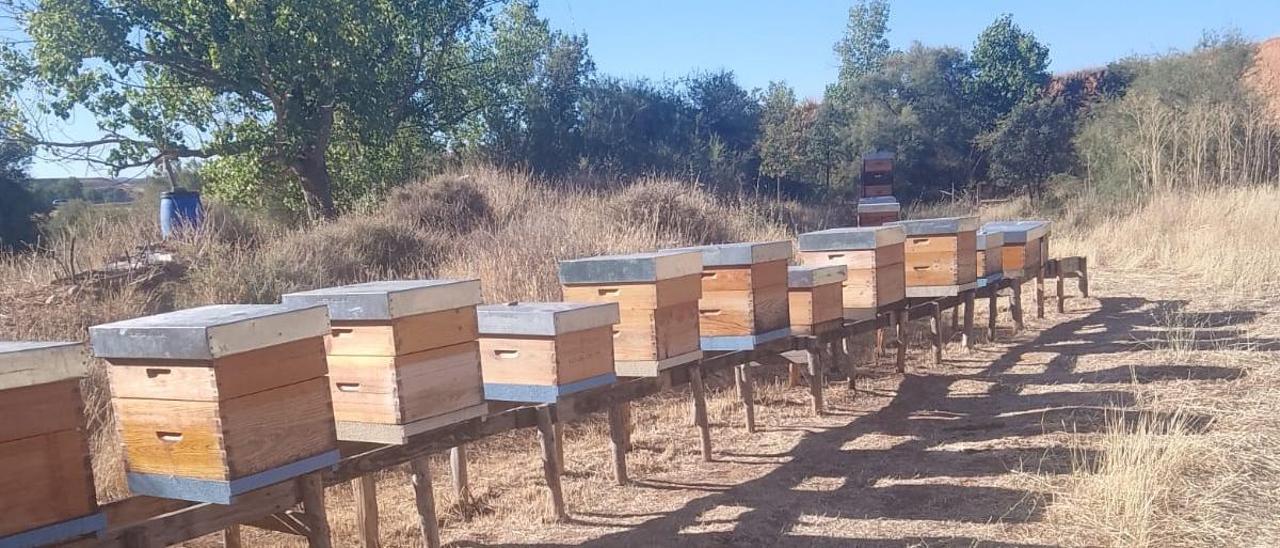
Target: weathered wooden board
[
  {"x": 547, "y": 360},
  {"x": 656, "y": 334},
  {"x": 816, "y": 305},
  {"x": 224, "y": 378},
  {"x": 639, "y": 295},
  {"x": 407, "y": 335},
  {"x": 40, "y": 409},
  {"x": 44, "y": 479},
  {"x": 402, "y": 389},
  {"x": 742, "y": 278}
]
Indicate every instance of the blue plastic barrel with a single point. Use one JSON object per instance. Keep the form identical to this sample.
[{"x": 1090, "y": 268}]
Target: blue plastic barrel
[{"x": 179, "y": 209}]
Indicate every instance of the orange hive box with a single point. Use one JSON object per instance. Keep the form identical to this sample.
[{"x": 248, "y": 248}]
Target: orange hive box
[
  {"x": 873, "y": 257},
  {"x": 990, "y": 257},
  {"x": 403, "y": 356},
  {"x": 816, "y": 297},
  {"x": 941, "y": 255},
  {"x": 216, "y": 401},
  {"x": 878, "y": 211},
  {"x": 657, "y": 294},
  {"x": 1026, "y": 246},
  {"x": 540, "y": 352},
  {"x": 46, "y": 481},
  {"x": 744, "y": 294}
]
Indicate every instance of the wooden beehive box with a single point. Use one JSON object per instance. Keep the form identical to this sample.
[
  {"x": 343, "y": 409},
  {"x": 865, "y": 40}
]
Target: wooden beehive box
[
  {"x": 46, "y": 480},
  {"x": 816, "y": 297},
  {"x": 990, "y": 257},
  {"x": 1026, "y": 246},
  {"x": 878, "y": 211},
  {"x": 941, "y": 255},
  {"x": 744, "y": 294},
  {"x": 540, "y": 352},
  {"x": 873, "y": 257},
  {"x": 657, "y": 295},
  {"x": 403, "y": 356},
  {"x": 216, "y": 401}
]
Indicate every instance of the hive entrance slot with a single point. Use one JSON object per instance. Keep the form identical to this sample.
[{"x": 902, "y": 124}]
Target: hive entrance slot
[
  {"x": 834, "y": 256},
  {"x": 506, "y": 354},
  {"x": 153, "y": 372},
  {"x": 709, "y": 275},
  {"x": 348, "y": 386},
  {"x": 169, "y": 437},
  {"x": 339, "y": 331},
  {"x": 710, "y": 312},
  {"x": 610, "y": 291}
]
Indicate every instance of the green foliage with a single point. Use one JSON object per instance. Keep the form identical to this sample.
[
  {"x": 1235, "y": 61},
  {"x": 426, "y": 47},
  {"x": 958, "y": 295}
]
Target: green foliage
[
  {"x": 61, "y": 190},
  {"x": 865, "y": 44},
  {"x": 1010, "y": 67},
  {"x": 1031, "y": 144},
  {"x": 17, "y": 205}
]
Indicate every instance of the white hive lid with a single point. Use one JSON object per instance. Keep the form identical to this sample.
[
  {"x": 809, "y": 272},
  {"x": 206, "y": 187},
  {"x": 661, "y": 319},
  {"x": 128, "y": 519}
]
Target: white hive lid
[
  {"x": 544, "y": 319},
  {"x": 814, "y": 276},
  {"x": 30, "y": 363},
  {"x": 208, "y": 332},
  {"x": 388, "y": 300},
  {"x": 742, "y": 254},
  {"x": 851, "y": 238},
  {"x": 631, "y": 268}
]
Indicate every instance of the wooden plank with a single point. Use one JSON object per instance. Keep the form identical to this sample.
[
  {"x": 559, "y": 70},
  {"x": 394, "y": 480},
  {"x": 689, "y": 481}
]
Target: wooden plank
[
  {"x": 195, "y": 520},
  {"x": 365, "y": 491},
  {"x": 698, "y": 392},
  {"x": 273, "y": 428},
  {"x": 968, "y": 319},
  {"x": 404, "y": 389},
  {"x": 40, "y": 409},
  {"x": 458, "y": 473},
  {"x": 743, "y": 278},
  {"x": 181, "y": 438},
  {"x": 817, "y": 380},
  {"x": 550, "y": 468},
  {"x": 648, "y": 335},
  {"x": 935, "y": 330},
  {"x": 425, "y": 499},
  {"x": 407, "y": 335},
  {"x": 770, "y": 309},
  {"x": 639, "y": 296},
  {"x": 747, "y": 391},
  {"x": 311, "y": 491},
  {"x": 618, "y": 442},
  {"x": 231, "y": 537},
  {"x": 44, "y": 479},
  {"x": 225, "y": 378}
]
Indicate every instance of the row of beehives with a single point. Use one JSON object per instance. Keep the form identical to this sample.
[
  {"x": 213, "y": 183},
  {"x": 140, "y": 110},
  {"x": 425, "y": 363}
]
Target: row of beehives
[{"x": 216, "y": 401}]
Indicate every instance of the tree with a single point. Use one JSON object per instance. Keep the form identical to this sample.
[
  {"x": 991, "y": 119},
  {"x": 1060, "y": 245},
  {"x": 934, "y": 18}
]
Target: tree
[
  {"x": 1032, "y": 143},
  {"x": 865, "y": 44},
  {"x": 1010, "y": 67},
  {"x": 203, "y": 79},
  {"x": 17, "y": 205}
]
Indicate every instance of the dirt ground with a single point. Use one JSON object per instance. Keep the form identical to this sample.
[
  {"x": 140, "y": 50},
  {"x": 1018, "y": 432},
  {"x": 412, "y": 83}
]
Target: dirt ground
[{"x": 961, "y": 454}]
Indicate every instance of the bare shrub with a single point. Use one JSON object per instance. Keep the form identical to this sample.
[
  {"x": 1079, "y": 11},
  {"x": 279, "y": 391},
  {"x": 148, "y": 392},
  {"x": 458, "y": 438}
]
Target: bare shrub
[{"x": 450, "y": 204}]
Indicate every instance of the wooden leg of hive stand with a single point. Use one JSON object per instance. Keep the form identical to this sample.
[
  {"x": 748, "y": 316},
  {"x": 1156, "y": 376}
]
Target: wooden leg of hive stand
[
  {"x": 992, "y": 314},
  {"x": 968, "y": 319},
  {"x": 699, "y": 392},
  {"x": 140, "y": 538},
  {"x": 550, "y": 467},
  {"x": 879, "y": 343},
  {"x": 1083, "y": 277},
  {"x": 458, "y": 471},
  {"x": 365, "y": 491},
  {"x": 311, "y": 487},
  {"x": 817, "y": 378},
  {"x": 559, "y": 430},
  {"x": 629, "y": 426},
  {"x": 1040, "y": 293},
  {"x": 793, "y": 375},
  {"x": 748, "y": 396},
  {"x": 900, "y": 334},
  {"x": 955, "y": 324},
  {"x": 1015, "y": 306},
  {"x": 844, "y": 363},
  {"x": 1062, "y": 297},
  {"x": 231, "y": 537},
  {"x": 618, "y": 442},
  {"x": 935, "y": 330},
  {"x": 424, "y": 497}
]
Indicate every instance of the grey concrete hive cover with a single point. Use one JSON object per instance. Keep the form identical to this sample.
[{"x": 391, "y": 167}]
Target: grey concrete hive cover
[
  {"x": 989, "y": 240},
  {"x": 851, "y": 238},
  {"x": 24, "y": 363},
  {"x": 544, "y": 319},
  {"x": 741, "y": 254},
  {"x": 879, "y": 204},
  {"x": 388, "y": 300},
  {"x": 631, "y": 268},
  {"x": 208, "y": 332},
  {"x": 943, "y": 225},
  {"x": 813, "y": 276},
  {"x": 1019, "y": 232}
]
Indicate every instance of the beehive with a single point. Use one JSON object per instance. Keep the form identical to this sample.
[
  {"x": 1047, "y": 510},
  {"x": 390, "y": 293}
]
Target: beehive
[
  {"x": 873, "y": 257},
  {"x": 216, "y": 401},
  {"x": 1026, "y": 246},
  {"x": 540, "y": 352},
  {"x": 46, "y": 481},
  {"x": 816, "y": 297},
  {"x": 657, "y": 294},
  {"x": 941, "y": 255},
  {"x": 403, "y": 356},
  {"x": 744, "y": 294},
  {"x": 878, "y": 211},
  {"x": 877, "y": 174},
  {"x": 990, "y": 257}
]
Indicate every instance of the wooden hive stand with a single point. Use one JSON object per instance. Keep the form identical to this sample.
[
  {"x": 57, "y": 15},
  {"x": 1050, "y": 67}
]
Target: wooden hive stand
[
  {"x": 744, "y": 295},
  {"x": 403, "y": 356},
  {"x": 1025, "y": 250},
  {"x": 657, "y": 294},
  {"x": 46, "y": 480},
  {"x": 540, "y": 352},
  {"x": 878, "y": 210},
  {"x": 217, "y": 401}
]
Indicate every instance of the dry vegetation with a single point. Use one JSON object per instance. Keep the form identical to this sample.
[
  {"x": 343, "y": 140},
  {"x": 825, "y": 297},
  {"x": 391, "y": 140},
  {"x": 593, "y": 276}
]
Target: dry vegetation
[{"x": 1177, "y": 458}]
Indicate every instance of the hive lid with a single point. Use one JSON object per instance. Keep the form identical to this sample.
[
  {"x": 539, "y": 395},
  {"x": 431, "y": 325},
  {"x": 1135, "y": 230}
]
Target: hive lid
[
  {"x": 813, "y": 276},
  {"x": 989, "y": 240},
  {"x": 208, "y": 332},
  {"x": 389, "y": 300},
  {"x": 741, "y": 254},
  {"x": 879, "y": 204},
  {"x": 1019, "y": 232},
  {"x": 943, "y": 225},
  {"x": 544, "y": 319},
  {"x": 851, "y": 238},
  {"x": 635, "y": 267},
  {"x": 29, "y": 363}
]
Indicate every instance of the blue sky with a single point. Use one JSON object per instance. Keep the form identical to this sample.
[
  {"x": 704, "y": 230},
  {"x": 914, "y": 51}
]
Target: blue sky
[{"x": 762, "y": 40}]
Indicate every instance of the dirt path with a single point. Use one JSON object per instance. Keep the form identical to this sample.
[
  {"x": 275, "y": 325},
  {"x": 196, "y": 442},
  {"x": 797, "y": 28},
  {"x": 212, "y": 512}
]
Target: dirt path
[{"x": 951, "y": 455}]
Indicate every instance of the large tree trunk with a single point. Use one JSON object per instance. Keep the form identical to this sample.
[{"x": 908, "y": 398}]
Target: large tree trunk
[{"x": 317, "y": 188}]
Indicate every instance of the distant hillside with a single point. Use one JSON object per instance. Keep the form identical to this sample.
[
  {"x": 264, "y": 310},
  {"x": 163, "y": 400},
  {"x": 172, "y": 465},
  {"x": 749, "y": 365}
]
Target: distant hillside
[{"x": 1264, "y": 76}]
